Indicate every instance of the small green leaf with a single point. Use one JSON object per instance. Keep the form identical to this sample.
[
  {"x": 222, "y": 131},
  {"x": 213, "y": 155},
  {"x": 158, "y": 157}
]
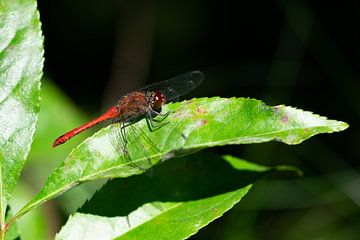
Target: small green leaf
[
  {"x": 151, "y": 221},
  {"x": 194, "y": 125},
  {"x": 181, "y": 197},
  {"x": 21, "y": 63}
]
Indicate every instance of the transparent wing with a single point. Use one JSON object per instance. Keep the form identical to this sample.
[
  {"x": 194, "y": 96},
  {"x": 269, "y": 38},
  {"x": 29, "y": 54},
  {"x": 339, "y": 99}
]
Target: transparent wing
[
  {"x": 135, "y": 148},
  {"x": 177, "y": 86}
]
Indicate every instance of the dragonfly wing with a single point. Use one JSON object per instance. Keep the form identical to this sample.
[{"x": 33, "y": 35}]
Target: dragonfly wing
[
  {"x": 177, "y": 86},
  {"x": 135, "y": 148}
]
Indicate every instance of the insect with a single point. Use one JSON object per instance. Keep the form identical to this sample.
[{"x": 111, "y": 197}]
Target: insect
[{"x": 146, "y": 103}]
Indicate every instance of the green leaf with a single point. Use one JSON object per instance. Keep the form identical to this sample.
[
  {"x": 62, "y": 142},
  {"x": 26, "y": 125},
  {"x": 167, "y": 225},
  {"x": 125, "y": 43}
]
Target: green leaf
[
  {"x": 181, "y": 197},
  {"x": 194, "y": 125},
  {"x": 21, "y": 63}
]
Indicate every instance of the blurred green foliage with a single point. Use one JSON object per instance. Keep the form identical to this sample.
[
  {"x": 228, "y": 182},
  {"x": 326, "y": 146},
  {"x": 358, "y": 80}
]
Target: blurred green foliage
[{"x": 57, "y": 112}]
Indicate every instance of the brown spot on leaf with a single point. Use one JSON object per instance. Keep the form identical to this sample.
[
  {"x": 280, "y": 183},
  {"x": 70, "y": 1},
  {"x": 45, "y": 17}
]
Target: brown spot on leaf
[
  {"x": 201, "y": 109},
  {"x": 202, "y": 122},
  {"x": 285, "y": 119}
]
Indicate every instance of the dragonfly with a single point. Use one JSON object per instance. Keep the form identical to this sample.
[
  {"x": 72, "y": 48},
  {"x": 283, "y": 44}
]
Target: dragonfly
[{"x": 147, "y": 102}]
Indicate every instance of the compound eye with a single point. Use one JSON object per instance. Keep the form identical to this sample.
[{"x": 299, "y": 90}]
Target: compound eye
[{"x": 159, "y": 100}]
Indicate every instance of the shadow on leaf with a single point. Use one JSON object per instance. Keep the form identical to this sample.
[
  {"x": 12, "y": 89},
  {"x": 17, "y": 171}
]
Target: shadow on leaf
[{"x": 188, "y": 178}]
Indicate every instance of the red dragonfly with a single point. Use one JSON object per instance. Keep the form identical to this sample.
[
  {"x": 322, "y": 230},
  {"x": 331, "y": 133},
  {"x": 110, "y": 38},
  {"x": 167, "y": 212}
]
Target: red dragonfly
[{"x": 143, "y": 103}]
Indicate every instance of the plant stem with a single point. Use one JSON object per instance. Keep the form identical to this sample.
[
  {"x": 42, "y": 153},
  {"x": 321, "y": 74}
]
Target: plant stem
[{"x": 2, "y": 232}]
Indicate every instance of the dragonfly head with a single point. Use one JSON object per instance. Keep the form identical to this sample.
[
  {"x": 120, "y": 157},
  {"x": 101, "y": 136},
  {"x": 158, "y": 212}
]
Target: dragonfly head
[{"x": 157, "y": 100}]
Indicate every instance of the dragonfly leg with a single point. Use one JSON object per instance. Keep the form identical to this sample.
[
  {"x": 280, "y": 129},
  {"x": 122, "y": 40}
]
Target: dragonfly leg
[
  {"x": 123, "y": 133},
  {"x": 150, "y": 122},
  {"x": 163, "y": 116}
]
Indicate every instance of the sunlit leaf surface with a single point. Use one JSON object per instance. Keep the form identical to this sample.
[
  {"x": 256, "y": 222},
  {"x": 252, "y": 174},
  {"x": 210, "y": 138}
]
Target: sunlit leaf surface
[
  {"x": 194, "y": 125},
  {"x": 21, "y": 63}
]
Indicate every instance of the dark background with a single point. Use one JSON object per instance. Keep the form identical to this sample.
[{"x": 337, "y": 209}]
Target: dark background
[{"x": 298, "y": 53}]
